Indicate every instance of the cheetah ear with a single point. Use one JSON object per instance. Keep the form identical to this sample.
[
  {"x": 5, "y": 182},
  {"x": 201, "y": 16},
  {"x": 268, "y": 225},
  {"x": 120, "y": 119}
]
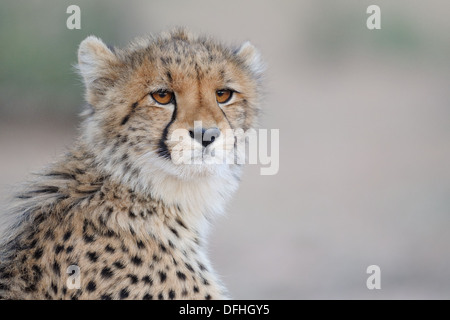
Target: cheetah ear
[
  {"x": 252, "y": 58},
  {"x": 95, "y": 62}
]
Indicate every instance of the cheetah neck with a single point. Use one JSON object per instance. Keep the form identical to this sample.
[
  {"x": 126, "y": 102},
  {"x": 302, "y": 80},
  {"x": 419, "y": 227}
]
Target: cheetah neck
[{"x": 200, "y": 198}]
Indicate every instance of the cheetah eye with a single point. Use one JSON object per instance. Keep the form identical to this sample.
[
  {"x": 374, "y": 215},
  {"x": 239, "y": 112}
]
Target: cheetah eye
[
  {"x": 224, "y": 95},
  {"x": 162, "y": 97}
]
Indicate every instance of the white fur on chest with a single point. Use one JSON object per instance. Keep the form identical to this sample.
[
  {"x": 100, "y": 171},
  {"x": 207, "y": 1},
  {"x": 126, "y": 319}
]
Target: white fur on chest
[{"x": 200, "y": 194}]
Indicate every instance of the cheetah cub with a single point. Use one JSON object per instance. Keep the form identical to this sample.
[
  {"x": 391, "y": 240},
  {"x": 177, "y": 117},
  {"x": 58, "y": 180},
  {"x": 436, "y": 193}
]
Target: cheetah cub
[{"x": 117, "y": 217}]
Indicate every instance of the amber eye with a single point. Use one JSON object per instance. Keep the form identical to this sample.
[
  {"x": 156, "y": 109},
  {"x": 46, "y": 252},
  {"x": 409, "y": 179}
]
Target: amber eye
[
  {"x": 223, "y": 96},
  {"x": 162, "y": 97}
]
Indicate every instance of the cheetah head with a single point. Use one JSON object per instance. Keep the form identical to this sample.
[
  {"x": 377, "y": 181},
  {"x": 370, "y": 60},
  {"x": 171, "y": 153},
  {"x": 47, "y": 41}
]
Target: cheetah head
[{"x": 169, "y": 104}]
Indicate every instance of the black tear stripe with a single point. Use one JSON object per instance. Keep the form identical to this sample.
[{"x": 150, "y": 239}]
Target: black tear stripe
[
  {"x": 163, "y": 150},
  {"x": 127, "y": 117}
]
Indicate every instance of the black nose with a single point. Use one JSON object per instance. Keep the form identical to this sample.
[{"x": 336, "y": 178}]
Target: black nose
[{"x": 205, "y": 136}]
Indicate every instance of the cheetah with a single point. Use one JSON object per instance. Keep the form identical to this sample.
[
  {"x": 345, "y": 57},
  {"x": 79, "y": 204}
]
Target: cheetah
[{"x": 116, "y": 205}]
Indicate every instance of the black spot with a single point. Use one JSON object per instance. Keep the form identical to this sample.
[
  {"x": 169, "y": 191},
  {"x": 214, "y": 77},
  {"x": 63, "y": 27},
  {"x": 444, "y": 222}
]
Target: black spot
[
  {"x": 147, "y": 280},
  {"x": 110, "y": 233},
  {"x": 222, "y": 74},
  {"x": 124, "y": 248},
  {"x": 32, "y": 244},
  {"x": 208, "y": 297},
  {"x": 184, "y": 293},
  {"x": 5, "y": 275},
  {"x": 181, "y": 275},
  {"x": 69, "y": 249},
  {"x": 37, "y": 272},
  {"x": 38, "y": 253},
  {"x": 156, "y": 258},
  {"x": 39, "y": 218},
  {"x": 56, "y": 268},
  {"x": 107, "y": 273},
  {"x": 162, "y": 276},
  {"x": 106, "y": 297},
  {"x": 49, "y": 189},
  {"x": 136, "y": 260},
  {"x": 205, "y": 282},
  {"x": 175, "y": 232},
  {"x": 125, "y": 119},
  {"x": 110, "y": 249},
  {"x": 85, "y": 225},
  {"x": 49, "y": 235},
  {"x": 79, "y": 170},
  {"x": 31, "y": 288},
  {"x": 59, "y": 248},
  {"x": 166, "y": 60},
  {"x": 25, "y": 277},
  {"x": 93, "y": 256},
  {"x": 134, "y": 279},
  {"x": 74, "y": 296},
  {"x": 88, "y": 238},
  {"x": 119, "y": 265},
  {"x": 64, "y": 290},
  {"x": 124, "y": 293},
  {"x": 162, "y": 247},
  {"x": 140, "y": 244},
  {"x": 4, "y": 286},
  {"x": 171, "y": 294},
  {"x": 67, "y": 235},
  {"x": 131, "y": 214},
  {"x": 171, "y": 244},
  {"x": 160, "y": 296},
  {"x": 180, "y": 223},
  {"x": 202, "y": 267},
  {"x": 147, "y": 296},
  {"x": 54, "y": 288},
  {"x": 127, "y": 166},
  {"x": 62, "y": 175},
  {"x": 91, "y": 286},
  {"x": 169, "y": 76},
  {"x": 189, "y": 267},
  {"x": 196, "y": 289},
  {"x": 23, "y": 196}
]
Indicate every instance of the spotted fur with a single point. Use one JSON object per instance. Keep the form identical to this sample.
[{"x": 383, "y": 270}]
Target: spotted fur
[{"x": 115, "y": 205}]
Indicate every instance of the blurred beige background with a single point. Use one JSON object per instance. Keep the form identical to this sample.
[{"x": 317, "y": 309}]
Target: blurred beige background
[{"x": 364, "y": 120}]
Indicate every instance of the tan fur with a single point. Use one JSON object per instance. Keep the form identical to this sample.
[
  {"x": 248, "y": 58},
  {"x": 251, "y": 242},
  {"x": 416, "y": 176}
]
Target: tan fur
[{"x": 116, "y": 205}]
